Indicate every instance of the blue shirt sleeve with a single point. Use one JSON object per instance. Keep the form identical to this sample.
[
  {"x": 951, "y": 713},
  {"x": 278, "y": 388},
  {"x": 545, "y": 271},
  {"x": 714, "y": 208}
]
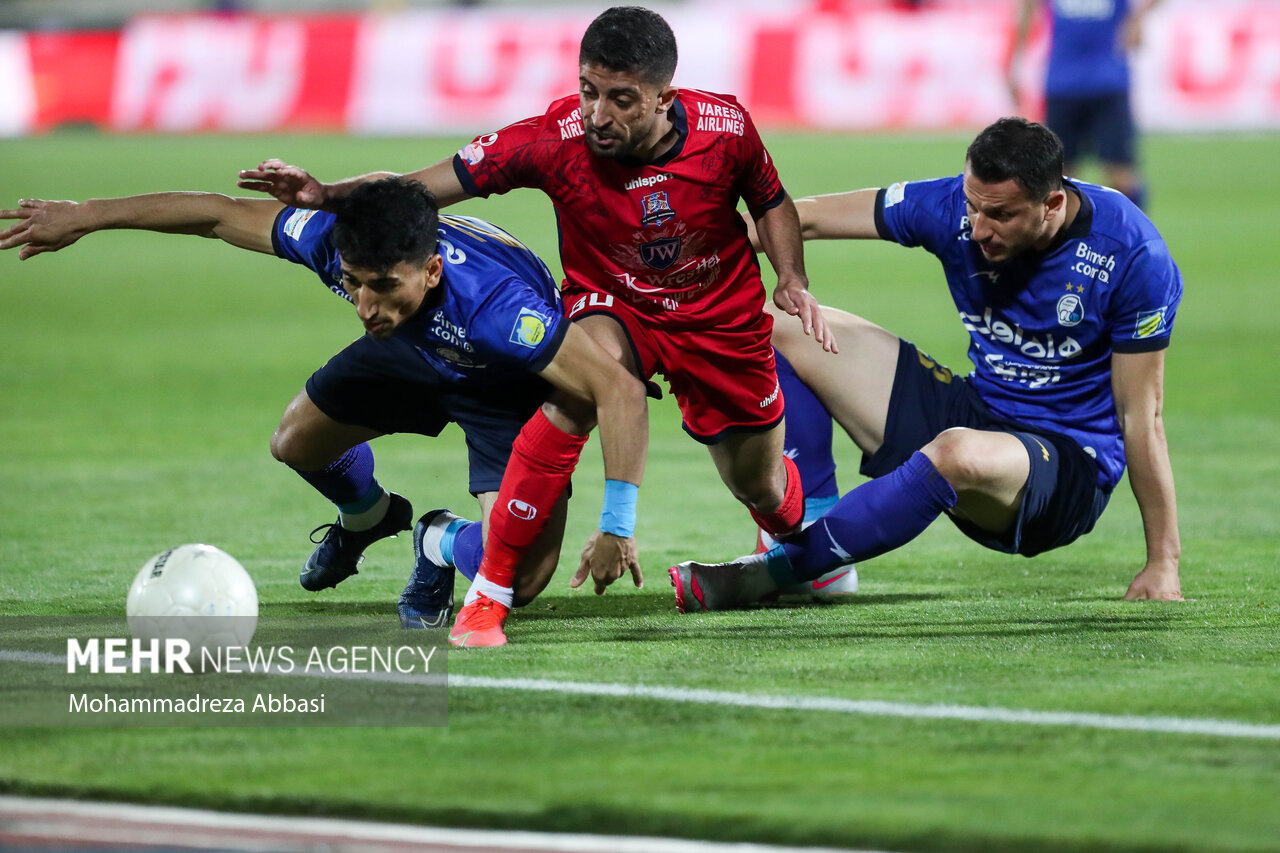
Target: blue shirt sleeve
[
  {"x": 518, "y": 326},
  {"x": 1143, "y": 310},
  {"x": 919, "y": 213},
  {"x": 305, "y": 237}
]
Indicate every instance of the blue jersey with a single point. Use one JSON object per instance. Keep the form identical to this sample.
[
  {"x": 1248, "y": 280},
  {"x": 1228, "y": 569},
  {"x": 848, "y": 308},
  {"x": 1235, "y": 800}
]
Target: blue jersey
[
  {"x": 1086, "y": 49},
  {"x": 1042, "y": 327},
  {"x": 494, "y": 316}
]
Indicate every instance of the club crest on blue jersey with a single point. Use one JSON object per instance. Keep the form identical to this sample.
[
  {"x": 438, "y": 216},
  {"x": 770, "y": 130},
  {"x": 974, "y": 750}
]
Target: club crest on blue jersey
[
  {"x": 660, "y": 254},
  {"x": 1150, "y": 323},
  {"x": 656, "y": 208},
  {"x": 530, "y": 328},
  {"x": 1070, "y": 310}
]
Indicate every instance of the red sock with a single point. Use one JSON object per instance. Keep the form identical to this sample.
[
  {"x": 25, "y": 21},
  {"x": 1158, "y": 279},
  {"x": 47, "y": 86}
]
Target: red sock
[
  {"x": 786, "y": 519},
  {"x": 542, "y": 462}
]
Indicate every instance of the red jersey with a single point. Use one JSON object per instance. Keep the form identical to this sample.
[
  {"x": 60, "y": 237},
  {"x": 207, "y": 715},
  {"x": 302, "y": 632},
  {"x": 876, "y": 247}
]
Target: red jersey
[{"x": 664, "y": 236}]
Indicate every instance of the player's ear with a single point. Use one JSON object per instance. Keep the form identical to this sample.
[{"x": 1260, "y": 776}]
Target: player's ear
[
  {"x": 435, "y": 268},
  {"x": 666, "y": 98},
  {"x": 1055, "y": 204}
]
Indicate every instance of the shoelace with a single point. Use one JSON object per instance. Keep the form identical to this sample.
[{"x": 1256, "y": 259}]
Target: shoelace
[
  {"x": 484, "y": 612},
  {"x": 325, "y": 528}
]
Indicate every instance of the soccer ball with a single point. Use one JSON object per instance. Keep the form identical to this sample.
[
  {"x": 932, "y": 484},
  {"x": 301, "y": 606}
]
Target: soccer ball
[{"x": 197, "y": 593}]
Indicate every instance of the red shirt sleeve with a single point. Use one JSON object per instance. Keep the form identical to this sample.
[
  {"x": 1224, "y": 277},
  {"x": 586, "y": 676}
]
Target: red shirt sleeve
[
  {"x": 759, "y": 184},
  {"x": 519, "y": 155},
  {"x": 494, "y": 163}
]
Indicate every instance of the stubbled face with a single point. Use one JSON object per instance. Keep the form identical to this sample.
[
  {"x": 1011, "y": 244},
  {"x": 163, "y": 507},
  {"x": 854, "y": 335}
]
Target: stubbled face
[
  {"x": 623, "y": 115},
  {"x": 1005, "y": 222},
  {"x": 386, "y": 298}
]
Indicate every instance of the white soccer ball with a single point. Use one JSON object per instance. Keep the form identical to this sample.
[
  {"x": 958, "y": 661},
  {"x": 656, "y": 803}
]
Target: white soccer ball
[{"x": 197, "y": 593}]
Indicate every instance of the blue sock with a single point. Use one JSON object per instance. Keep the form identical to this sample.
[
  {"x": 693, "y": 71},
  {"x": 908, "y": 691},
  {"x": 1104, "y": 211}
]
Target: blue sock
[
  {"x": 878, "y": 516},
  {"x": 465, "y": 548},
  {"x": 815, "y": 508},
  {"x": 349, "y": 481},
  {"x": 808, "y": 438}
]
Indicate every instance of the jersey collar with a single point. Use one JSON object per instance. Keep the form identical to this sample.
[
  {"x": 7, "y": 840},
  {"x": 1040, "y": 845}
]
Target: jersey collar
[
  {"x": 1080, "y": 226},
  {"x": 680, "y": 121}
]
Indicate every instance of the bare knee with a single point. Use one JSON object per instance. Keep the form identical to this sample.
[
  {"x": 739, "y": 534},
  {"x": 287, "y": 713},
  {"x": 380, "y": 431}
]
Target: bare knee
[
  {"x": 289, "y": 446},
  {"x": 762, "y": 491},
  {"x": 302, "y": 449},
  {"x": 570, "y": 414},
  {"x": 952, "y": 453}
]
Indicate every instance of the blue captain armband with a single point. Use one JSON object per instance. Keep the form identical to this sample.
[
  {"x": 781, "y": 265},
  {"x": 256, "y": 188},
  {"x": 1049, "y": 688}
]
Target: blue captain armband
[{"x": 619, "y": 513}]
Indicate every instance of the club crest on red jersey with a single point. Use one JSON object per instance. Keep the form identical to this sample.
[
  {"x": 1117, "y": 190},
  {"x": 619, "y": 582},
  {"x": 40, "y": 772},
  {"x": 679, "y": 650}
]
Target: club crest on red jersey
[
  {"x": 660, "y": 254},
  {"x": 656, "y": 208}
]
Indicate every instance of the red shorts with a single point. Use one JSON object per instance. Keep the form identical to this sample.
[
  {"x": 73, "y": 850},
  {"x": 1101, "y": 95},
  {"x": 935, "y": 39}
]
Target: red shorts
[{"x": 724, "y": 379}]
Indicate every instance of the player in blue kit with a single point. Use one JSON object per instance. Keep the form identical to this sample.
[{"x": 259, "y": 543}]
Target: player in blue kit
[
  {"x": 463, "y": 324},
  {"x": 1069, "y": 296},
  {"x": 1087, "y": 82}
]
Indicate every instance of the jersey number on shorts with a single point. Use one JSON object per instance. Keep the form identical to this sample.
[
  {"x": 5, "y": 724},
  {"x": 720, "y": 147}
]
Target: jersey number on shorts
[{"x": 593, "y": 300}]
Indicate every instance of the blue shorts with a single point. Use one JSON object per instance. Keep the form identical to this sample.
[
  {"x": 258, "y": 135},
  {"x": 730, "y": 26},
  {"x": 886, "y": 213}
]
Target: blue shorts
[
  {"x": 385, "y": 385},
  {"x": 1101, "y": 124},
  {"x": 1062, "y": 499}
]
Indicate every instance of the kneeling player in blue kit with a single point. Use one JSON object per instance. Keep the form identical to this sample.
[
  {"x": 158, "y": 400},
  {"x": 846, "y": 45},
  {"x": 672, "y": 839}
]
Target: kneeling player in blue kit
[{"x": 1068, "y": 294}]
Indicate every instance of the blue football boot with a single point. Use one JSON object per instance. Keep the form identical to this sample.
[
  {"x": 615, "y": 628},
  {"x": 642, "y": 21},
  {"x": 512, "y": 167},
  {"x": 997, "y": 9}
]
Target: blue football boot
[
  {"x": 427, "y": 600},
  {"x": 336, "y": 555}
]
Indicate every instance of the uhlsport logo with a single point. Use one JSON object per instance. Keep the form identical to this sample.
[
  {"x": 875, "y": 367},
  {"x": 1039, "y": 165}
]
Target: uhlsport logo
[
  {"x": 530, "y": 329},
  {"x": 522, "y": 510},
  {"x": 646, "y": 181}
]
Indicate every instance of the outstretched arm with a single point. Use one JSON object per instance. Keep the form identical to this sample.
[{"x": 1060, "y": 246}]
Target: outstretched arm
[
  {"x": 838, "y": 216},
  {"x": 295, "y": 187},
  {"x": 778, "y": 231},
  {"x": 583, "y": 369},
  {"x": 1137, "y": 381},
  {"x": 47, "y": 226}
]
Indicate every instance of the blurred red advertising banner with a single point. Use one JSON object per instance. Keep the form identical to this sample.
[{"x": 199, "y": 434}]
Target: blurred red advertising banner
[{"x": 831, "y": 65}]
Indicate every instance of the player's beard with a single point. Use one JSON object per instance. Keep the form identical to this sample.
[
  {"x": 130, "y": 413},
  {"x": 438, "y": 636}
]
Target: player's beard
[{"x": 620, "y": 148}]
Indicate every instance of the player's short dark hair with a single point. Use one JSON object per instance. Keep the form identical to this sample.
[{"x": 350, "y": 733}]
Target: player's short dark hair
[
  {"x": 386, "y": 222},
  {"x": 1020, "y": 150},
  {"x": 633, "y": 40}
]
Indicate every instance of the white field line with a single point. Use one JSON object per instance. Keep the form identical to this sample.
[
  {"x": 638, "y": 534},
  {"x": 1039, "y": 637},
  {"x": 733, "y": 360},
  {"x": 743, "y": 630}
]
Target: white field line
[
  {"x": 27, "y": 821},
  {"x": 865, "y": 707}
]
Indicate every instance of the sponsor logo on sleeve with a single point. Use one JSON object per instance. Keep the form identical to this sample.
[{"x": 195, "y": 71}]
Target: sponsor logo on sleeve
[
  {"x": 297, "y": 222},
  {"x": 895, "y": 193},
  {"x": 474, "y": 152},
  {"x": 1150, "y": 323},
  {"x": 530, "y": 328}
]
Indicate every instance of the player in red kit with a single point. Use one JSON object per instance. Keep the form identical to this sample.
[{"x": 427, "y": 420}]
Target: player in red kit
[{"x": 645, "y": 180}]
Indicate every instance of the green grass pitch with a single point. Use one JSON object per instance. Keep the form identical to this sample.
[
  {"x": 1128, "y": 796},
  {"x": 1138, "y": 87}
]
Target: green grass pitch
[{"x": 140, "y": 379}]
